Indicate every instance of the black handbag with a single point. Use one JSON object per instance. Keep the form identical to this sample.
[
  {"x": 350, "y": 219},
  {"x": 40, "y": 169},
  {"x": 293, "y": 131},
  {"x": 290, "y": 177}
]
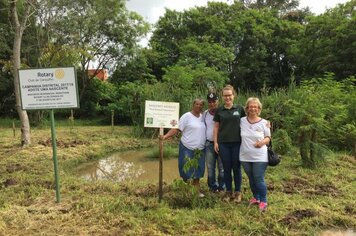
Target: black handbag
[{"x": 273, "y": 157}]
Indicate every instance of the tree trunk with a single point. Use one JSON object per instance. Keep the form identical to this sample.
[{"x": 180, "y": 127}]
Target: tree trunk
[
  {"x": 313, "y": 148},
  {"x": 16, "y": 57},
  {"x": 303, "y": 147}
]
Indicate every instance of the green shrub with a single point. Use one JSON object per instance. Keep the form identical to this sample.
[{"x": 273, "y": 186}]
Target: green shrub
[
  {"x": 169, "y": 151},
  {"x": 282, "y": 143},
  {"x": 186, "y": 195}
]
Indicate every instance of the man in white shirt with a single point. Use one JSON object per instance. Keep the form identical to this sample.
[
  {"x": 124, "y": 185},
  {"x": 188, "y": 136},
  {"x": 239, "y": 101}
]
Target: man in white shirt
[{"x": 212, "y": 159}]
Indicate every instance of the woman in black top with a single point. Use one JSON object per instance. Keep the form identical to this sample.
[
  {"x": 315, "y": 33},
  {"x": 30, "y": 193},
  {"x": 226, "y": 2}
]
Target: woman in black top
[{"x": 227, "y": 141}]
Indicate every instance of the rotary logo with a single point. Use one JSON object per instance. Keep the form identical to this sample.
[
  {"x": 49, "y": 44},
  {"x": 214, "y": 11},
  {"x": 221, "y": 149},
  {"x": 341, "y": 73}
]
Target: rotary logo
[
  {"x": 173, "y": 123},
  {"x": 59, "y": 73}
]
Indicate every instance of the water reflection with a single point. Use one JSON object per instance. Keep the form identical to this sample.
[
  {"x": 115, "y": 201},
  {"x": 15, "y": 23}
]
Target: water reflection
[{"x": 129, "y": 166}]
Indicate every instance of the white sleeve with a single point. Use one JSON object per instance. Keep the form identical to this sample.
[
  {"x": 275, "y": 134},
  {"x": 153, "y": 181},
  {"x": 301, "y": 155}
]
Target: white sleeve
[
  {"x": 182, "y": 122},
  {"x": 267, "y": 131}
]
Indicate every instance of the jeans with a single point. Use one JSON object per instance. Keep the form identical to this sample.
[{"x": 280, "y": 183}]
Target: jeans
[
  {"x": 229, "y": 154},
  {"x": 192, "y": 173},
  {"x": 256, "y": 173},
  {"x": 211, "y": 158}
]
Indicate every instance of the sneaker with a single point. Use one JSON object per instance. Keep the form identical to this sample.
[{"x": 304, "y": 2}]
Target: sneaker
[
  {"x": 262, "y": 206},
  {"x": 220, "y": 189},
  {"x": 254, "y": 201},
  {"x": 214, "y": 190},
  {"x": 201, "y": 195},
  {"x": 227, "y": 197},
  {"x": 236, "y": 197}
]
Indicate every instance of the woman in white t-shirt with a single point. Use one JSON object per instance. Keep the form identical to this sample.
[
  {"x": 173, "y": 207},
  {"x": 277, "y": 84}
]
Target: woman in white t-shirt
[
  {"x": 192, "y": 142},
  {"x": 255, "y": 135}
]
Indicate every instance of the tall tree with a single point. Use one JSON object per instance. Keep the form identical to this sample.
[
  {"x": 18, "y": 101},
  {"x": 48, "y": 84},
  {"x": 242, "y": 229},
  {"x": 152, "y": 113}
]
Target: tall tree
[
  {"x": 19, "y": 23},
  {"x": 135, "y": 69},
  {"x": 165, "y": 41},
  {"x": 103, "y": 31},
  {"x": 328, "y": 44},
  {"x": 7, "y": 97},
  {"x": 254, "y": 45}
]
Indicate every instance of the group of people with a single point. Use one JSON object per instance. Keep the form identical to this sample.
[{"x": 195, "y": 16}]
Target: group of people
[{"x": 228, "y": 137}]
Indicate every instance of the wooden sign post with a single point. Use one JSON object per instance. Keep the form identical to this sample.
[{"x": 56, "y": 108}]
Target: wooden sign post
[
  {"x": 160, "y": 183},
  {"x": 161, "y": 115}
]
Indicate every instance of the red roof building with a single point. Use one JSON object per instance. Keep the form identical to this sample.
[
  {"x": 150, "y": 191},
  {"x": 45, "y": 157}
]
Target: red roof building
[{"x": 101, "y": 74}]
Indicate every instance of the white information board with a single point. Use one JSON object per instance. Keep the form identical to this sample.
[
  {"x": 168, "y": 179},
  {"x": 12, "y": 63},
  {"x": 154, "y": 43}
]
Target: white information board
[
  {"x": 49, "y": 88},
  {"x": 161, "y": 114}
]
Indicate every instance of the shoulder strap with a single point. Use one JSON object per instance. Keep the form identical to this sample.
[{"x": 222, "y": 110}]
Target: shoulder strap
[{"x": 205, "y": 112}]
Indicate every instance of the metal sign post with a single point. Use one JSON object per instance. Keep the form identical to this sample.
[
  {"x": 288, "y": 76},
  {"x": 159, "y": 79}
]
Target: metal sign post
[
  {"x": 55, "y": 162},
  {"x": 49, "y": 88}
]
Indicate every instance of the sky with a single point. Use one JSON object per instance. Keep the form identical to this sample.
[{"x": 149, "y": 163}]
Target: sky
[{"x": 151, "y": 10}]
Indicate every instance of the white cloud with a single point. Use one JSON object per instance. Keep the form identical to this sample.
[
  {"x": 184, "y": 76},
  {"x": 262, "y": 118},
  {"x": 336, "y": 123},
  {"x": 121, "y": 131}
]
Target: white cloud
[
  {"x": 319, "y": 7},
  {"x": 151, "y": 10}
]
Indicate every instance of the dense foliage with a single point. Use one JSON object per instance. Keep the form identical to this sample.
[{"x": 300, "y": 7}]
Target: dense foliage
[
  {"x": 316, "y": 117},
  {"x": 270, "y": 49}
]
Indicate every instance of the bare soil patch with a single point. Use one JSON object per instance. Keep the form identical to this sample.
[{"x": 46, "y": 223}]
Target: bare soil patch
[
  {"x": 11, "y": 168},
  {"x": 10, "y": 182},
  {"x": 63, "y": 144},
  {"x": 324, "y": 190},
  {"x": 302, "y": 186},
  {"x": 295, "y": 186},
  {"x": 298, "y": 215}
]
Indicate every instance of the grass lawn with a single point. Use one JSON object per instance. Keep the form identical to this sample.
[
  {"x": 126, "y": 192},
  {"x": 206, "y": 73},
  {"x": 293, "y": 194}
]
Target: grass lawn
[{"x": 301, "y": 201}]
